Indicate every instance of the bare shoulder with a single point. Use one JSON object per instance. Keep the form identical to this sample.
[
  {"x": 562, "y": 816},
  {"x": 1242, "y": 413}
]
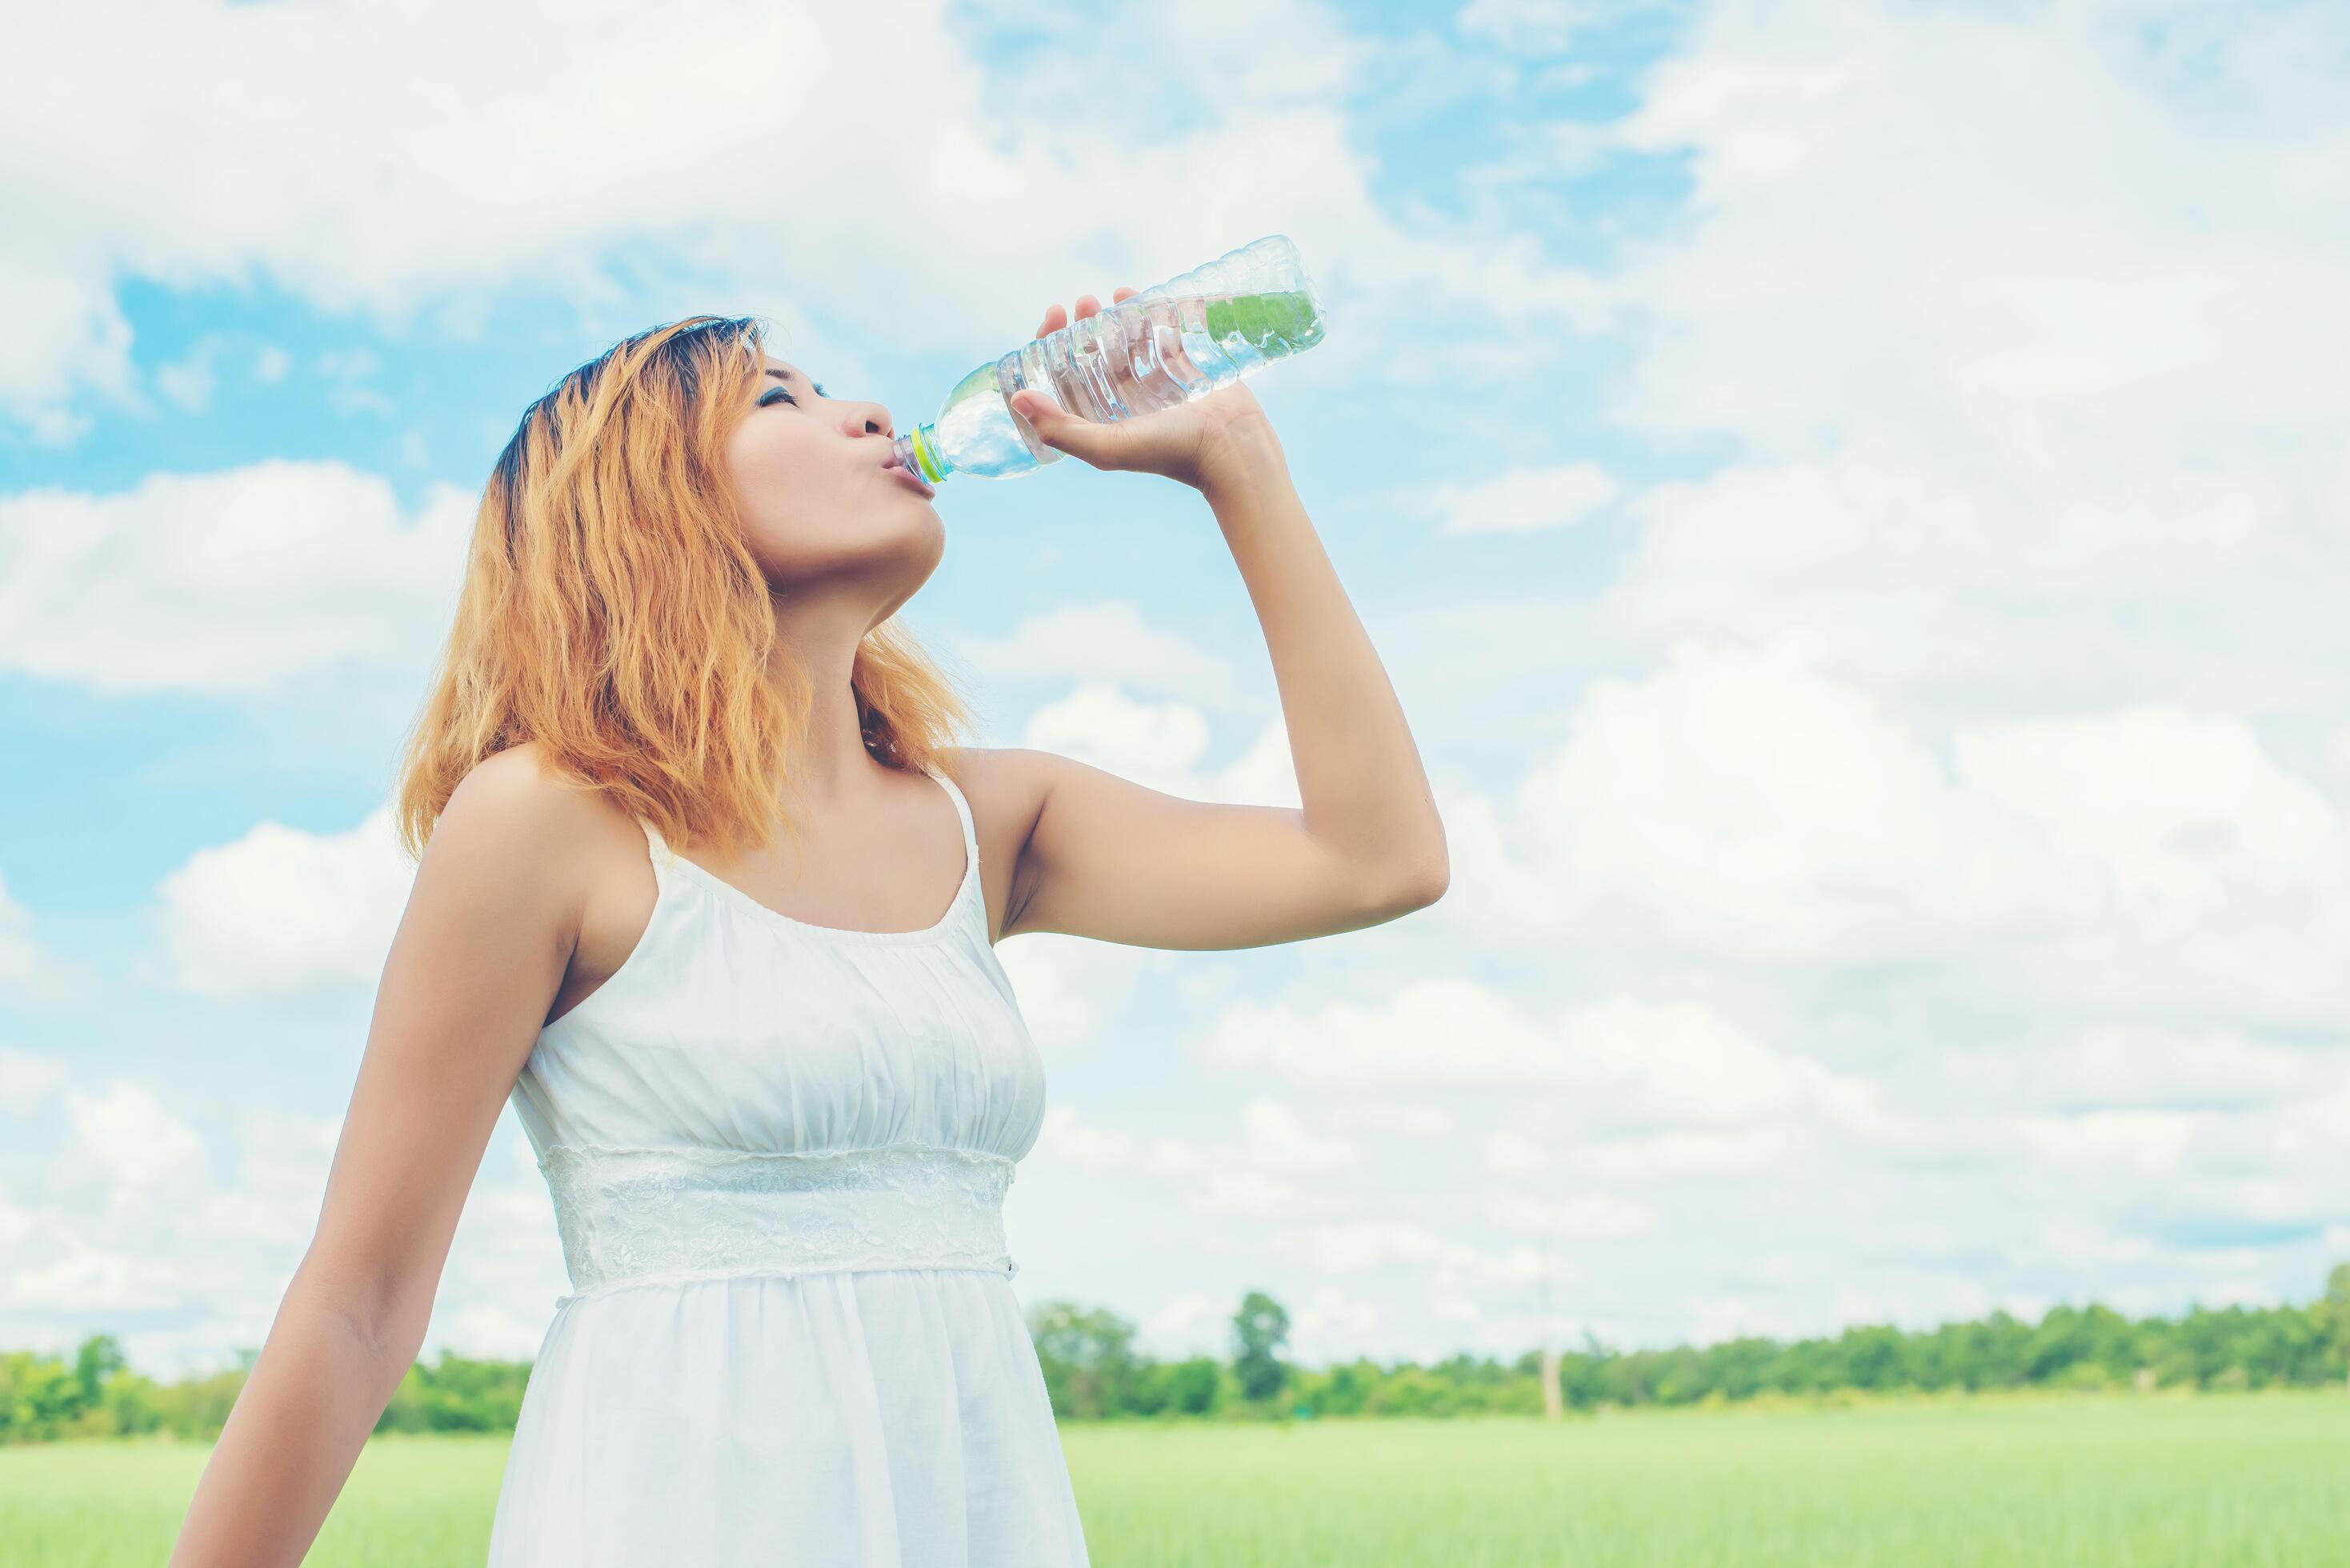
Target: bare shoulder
[
  {"x": 514, "y": 817},
  {"x": 519, "y": 790},
  {"x": 1005, "y": 785}
]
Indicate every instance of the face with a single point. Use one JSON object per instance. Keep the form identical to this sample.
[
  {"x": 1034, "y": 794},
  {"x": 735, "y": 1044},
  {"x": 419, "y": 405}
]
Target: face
[{"x": 820, "y": 510}]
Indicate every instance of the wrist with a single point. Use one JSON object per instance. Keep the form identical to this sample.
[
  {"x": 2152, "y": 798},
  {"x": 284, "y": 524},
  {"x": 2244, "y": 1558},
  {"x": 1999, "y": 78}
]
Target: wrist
[{"x": 1244, "y": 457}]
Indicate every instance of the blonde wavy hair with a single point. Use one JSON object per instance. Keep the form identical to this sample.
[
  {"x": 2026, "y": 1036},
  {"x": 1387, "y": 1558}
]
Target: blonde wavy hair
[{"x": 612, "y": 612}]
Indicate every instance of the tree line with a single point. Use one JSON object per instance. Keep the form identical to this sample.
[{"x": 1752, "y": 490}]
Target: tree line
[{"x": 1092, "y": 1371}]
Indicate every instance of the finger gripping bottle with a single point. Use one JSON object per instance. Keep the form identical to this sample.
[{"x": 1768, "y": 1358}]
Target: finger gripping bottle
[{"x": 1171, "y": 343}]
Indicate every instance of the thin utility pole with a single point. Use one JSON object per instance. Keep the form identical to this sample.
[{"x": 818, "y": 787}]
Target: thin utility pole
[{"x": 1553, "y": 1406}]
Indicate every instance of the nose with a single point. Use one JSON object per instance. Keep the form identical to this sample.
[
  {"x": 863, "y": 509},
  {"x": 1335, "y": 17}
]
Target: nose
[{"x": 874, "y": 417}]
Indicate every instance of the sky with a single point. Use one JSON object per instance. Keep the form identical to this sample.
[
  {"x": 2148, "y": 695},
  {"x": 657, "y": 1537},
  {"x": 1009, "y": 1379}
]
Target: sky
[{"x": 1848, "y": 495}]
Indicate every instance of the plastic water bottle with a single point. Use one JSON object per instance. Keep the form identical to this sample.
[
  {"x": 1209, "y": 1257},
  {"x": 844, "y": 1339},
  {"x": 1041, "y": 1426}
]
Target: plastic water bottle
[{"x": 1181, "y": 338}]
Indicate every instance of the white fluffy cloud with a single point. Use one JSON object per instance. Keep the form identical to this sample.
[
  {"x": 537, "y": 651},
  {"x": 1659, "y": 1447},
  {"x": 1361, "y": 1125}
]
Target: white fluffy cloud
[
  {"x": 1111, "y": 640},
  {"x": 427, "y": 169},
  {"x": 1518, "y": 500},
  {"x": 1635, "y": 1065},
  {"x": 1161, "y": 745},
  {"x": 281, "y": 911},
  {"x": 1069, "y": 988},
  {"x": 226, "y": 585},
  {"x": 133, "y": 1233},
  {"x": 2132, "y": 1065},
  {"x": 1741, "y": 807},
  {"x": 30, "y": 970},
  {"x": 2034, "y": 412},
  {"x": 127, "y": 1139},
  {"x": 1632, "y": 1149},
  {"x": 26, "y": 1080}
]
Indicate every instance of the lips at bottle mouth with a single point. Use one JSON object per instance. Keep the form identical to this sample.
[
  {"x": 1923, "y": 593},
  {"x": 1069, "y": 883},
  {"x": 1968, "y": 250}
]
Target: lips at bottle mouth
[{"x": 906, "y": 476}]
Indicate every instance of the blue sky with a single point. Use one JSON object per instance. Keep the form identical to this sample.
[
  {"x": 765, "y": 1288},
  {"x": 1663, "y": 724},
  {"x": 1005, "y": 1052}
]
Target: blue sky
[{"x": 1859, "y": 568}]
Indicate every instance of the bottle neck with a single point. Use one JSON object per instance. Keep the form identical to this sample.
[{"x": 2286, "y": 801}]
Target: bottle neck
[{"x": 917, "y": 449}]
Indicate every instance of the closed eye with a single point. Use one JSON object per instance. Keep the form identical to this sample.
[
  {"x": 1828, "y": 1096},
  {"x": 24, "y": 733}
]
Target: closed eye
[
  {"x": 779, "y": 376},
  {"x": 773, "y": 392}
]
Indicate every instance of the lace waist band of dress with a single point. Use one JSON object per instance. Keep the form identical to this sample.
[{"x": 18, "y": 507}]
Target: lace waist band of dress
[{"x": 630, "y": 1216}]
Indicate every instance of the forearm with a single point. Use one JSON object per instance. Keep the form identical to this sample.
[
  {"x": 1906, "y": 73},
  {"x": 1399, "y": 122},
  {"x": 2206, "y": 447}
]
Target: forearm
[
  {"x": 314, "y": 1395},
  {"x": 1360, "y": 775}
]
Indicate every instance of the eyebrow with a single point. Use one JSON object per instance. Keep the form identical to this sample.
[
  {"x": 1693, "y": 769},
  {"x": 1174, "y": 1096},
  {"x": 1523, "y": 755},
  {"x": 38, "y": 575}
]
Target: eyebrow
[{"x": 787, "y": 375}]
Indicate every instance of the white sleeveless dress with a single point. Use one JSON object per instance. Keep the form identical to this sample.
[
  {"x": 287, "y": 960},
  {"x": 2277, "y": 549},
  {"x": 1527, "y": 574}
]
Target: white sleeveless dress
[{"x": 778, "y": 1153}]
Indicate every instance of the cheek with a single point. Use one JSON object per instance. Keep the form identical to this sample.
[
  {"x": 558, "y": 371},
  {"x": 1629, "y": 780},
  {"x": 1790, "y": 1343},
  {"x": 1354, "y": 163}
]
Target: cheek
[{"x": 762, "y": 465}]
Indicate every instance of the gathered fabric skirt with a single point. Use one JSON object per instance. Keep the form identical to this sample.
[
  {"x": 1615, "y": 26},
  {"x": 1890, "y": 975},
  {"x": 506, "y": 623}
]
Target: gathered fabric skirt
[{"x": 864, "y": 1418}]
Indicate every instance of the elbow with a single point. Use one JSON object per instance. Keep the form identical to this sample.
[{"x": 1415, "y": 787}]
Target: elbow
[
  {"x": 388, "y": 1321},
  {"x": 1412, "y": 887},
  {"x": 1431, "y": 871}
]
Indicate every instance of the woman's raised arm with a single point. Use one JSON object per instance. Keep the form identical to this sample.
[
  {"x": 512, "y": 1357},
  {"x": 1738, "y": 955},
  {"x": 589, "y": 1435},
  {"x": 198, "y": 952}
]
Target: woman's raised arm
[{"x": 1103, "y": 857}]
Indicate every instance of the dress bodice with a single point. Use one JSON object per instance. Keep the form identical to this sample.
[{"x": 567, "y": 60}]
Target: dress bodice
[{"x": 748, "y": 1092}]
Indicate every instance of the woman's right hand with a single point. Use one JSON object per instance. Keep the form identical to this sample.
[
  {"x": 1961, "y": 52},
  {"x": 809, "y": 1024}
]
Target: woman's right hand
[{"x": 1192, "y": 442}]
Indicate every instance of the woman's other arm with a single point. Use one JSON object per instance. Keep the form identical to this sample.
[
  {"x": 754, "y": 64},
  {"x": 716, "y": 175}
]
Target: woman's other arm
[
  {"x": 1105, "y": 857},
  {"x": 471, "y": 971}
]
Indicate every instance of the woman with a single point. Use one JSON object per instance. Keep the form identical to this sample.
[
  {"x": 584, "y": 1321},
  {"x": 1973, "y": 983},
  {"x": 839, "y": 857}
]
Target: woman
[{"x": 777, "y": 1105}]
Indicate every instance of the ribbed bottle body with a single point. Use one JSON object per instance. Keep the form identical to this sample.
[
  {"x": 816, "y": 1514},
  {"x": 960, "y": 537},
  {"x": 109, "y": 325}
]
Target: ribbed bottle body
[{"x": 1172, "y": 342}]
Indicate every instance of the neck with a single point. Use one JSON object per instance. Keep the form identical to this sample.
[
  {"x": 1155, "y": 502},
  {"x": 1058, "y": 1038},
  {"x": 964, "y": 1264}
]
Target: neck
[{"x": 822, "y": 639}]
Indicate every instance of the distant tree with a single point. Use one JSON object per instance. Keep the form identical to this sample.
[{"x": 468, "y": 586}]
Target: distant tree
[
  {"x": 2337, "y": 1313},
  {"x": 456, "y": 1394},
  {"x": 1259, "y": 1331},
  {"x": 1349, "y": 1384},
  {"x": 1091, "y": 1368},
  {"x": 38, "y": 1398},
  {"x": 99, "y": 1357},
  {"x": 1196, "y": 1387},
  {"x": 1151, "y": 1391},
  {"x": 1088, "y": 1360}
]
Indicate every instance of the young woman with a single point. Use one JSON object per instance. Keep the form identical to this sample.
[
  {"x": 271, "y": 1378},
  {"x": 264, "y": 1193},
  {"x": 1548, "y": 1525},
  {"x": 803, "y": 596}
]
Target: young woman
[{"x": 778, "y": 1100}]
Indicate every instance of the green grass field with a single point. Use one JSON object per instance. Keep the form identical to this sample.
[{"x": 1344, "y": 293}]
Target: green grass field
[{"x": 2208, "y": 1480}]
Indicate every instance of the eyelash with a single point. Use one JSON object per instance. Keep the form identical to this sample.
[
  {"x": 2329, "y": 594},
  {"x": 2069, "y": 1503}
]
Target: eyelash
[{"x": 783, "y": 392}]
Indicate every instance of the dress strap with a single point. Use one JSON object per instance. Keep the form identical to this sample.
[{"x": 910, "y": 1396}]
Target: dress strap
[
  {"x": 658, "y": 847},
  {"x": 963, "y": 811}
]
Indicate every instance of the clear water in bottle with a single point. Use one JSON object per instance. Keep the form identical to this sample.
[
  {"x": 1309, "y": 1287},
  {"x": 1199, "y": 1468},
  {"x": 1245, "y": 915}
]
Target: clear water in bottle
[{"x": 1177, "y": 340}]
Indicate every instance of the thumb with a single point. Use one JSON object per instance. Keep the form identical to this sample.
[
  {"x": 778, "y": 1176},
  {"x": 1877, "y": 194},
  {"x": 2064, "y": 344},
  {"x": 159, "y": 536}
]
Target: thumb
[{"x": 1057, "y": 428}]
